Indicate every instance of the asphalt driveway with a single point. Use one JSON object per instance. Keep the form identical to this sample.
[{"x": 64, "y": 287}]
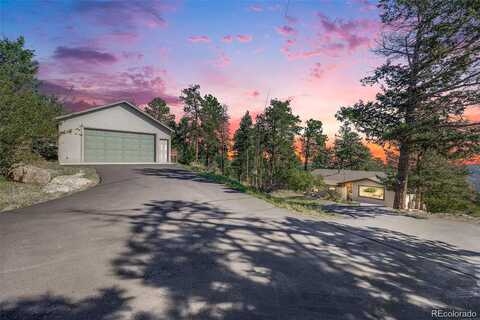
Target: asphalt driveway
[{"x": 161, "y": 243}]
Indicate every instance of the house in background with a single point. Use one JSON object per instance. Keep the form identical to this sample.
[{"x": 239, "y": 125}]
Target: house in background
[
  {"x": 356, "y": 185},
  {"x": 117, "y": 133}
]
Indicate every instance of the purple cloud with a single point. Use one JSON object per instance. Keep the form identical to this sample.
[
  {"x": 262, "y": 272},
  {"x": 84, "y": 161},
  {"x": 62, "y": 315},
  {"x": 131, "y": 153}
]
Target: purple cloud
[
  {"x": 228, "y": 38},
  {"x": 286, "y": 30},
  {"x": 84, "y": 54},
  {"x": 124, "y": 14},
  {"x": 355, "y": 33},
  {"x": 139, "y": 85}
]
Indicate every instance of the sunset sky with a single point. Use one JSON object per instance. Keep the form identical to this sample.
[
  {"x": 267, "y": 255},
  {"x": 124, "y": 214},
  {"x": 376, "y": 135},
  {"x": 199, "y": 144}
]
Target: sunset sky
[
  {"x": 313, "y": 52},
  {"x": 96, "y": 52}
]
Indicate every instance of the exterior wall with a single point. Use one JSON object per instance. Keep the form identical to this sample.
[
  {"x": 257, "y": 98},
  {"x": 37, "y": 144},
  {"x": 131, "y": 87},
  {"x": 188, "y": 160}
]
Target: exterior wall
[
  {"x": 120, "y": 118},
  {"x": 389, "y": 195},
  {"x": 342, "y": 191}
]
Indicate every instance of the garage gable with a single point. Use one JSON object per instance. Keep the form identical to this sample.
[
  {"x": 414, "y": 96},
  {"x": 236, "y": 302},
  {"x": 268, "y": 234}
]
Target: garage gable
[{"x": 120, "y": 104}]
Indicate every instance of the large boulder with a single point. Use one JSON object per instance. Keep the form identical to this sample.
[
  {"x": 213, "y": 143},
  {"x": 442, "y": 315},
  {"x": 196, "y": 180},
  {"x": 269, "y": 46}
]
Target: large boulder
[
  {"x": 30, "y": 174},
  {"x": 70, "y": 183}
]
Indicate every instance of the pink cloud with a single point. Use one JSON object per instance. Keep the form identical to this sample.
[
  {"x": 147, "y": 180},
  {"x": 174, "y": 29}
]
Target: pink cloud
[
  {"x": 222, "y": 60},
  {"x": 199, "y": 39},
  {"x": 244, "y": 38},
  {"x": 290, "y": 42},
  {"x": 286, "y": 30},
  {"x": 255, "y": 8},
  {"x": 253, "y": 93},
  {"x": 228, "y": 38},
  {"x": 291, "y": 19},
  {"x": 319, "y": 70}
]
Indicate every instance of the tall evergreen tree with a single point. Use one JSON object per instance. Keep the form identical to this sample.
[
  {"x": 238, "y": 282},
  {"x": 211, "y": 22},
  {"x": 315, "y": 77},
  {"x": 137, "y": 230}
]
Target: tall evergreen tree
[
  {"x": 214, "y": 127},
  {"x": 224, "y": 133},
  {"x": 432, "y": 74},
  {"x": 313, "y": 142},
  {"x": 211, "y": 116},
  {"x": 25, "y": 115},
  {"x": 183, "y": 141},
  {"x": 441, "y": 184},
  {"x": 244, "y": 148},
  {"x": 192, "y": 101},
  {"x": 159, "y": 110},
  {"x": 280, "y": 127},
  {"x": 348, "y": 151}
]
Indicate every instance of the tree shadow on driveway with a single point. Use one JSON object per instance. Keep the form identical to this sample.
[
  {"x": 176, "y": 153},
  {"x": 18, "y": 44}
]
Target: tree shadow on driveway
[
  {"x": 106, "y": 305},
  {"x": 356, "y": 211},
  {"x": 218, "y": 265}
]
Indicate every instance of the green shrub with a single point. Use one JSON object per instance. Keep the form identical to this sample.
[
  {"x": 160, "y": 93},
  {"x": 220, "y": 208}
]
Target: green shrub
[
  {"x": 300, "y": 180},
  {"x": 46, "y": 148}
]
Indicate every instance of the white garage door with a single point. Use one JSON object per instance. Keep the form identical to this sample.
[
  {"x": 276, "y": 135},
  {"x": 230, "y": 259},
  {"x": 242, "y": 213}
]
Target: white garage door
[{"x": 117, "y": 147}]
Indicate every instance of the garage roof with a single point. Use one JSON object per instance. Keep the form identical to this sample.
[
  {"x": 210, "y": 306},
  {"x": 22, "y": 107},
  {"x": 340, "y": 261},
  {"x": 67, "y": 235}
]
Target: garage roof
[{"x": 124, "y": 102}]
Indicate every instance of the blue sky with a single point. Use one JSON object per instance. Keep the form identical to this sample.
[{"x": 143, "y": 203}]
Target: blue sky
[{"x": 95, "y": 52}]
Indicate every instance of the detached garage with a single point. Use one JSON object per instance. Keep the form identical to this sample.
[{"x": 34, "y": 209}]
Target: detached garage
[{"x": 114, "y": 133}]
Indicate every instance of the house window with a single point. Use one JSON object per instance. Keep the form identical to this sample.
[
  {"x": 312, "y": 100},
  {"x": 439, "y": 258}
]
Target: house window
[{"x": 371, "y": 192}]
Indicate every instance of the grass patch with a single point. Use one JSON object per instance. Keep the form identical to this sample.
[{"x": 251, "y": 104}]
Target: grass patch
[
  {"x": 296, "y": 203},
  {"x": 15, "y": 195}
]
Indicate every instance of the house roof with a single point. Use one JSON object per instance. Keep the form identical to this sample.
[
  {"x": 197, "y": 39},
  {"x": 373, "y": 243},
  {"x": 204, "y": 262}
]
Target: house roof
[
  {"x": 110, "y": 105},
  {"x": 335, "y": 176}
]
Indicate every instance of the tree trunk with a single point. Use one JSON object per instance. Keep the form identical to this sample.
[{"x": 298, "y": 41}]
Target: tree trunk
[
  {"x": 248, "y": 178},
  {"x": 223, "y": 155},
  {"x": 307, "y": 151},
  {"x": 196, "y": 148},
  {"x": 402, "y": 177}
]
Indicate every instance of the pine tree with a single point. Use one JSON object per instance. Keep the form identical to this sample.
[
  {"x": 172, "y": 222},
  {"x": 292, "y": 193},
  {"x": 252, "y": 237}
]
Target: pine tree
[
  {"x": 348, "y": 151},
  {"x": 431, "y": 75},
  {"x": 313, "y": 143},
  {"x": 211, "y": 116},
  {"x": 441, "y": 184},
  {"x": 224, "y": 133},
  {"x": 26, "y": 116},
  {"x": 183, "y": 141},
  {"x": 280, "y": 127},
  {"x": 159, "y": 110},
  {"x": 192, "y": 101},
  {"x": 243, "y": 148}
]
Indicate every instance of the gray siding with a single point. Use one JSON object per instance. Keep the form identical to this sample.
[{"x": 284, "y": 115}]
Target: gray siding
[{"x": 117, "y": 118}]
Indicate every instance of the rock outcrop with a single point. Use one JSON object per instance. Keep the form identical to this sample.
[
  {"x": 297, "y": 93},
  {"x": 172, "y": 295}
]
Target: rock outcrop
[
  {"x": 70, "y": 183},
  {"x": 30, "y": 174}
]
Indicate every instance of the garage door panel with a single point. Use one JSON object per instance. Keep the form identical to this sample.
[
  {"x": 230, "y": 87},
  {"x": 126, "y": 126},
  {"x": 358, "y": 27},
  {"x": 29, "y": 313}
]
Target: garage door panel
[{"x": 114, "y": 146}]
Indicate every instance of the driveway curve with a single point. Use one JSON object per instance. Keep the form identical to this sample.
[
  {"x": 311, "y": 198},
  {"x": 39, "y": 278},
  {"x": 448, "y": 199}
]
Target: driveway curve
[{"x": 159, "y": 242}]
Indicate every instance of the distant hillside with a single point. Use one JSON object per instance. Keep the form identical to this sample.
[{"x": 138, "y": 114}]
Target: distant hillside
[{"x": 474, "y": 176}]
